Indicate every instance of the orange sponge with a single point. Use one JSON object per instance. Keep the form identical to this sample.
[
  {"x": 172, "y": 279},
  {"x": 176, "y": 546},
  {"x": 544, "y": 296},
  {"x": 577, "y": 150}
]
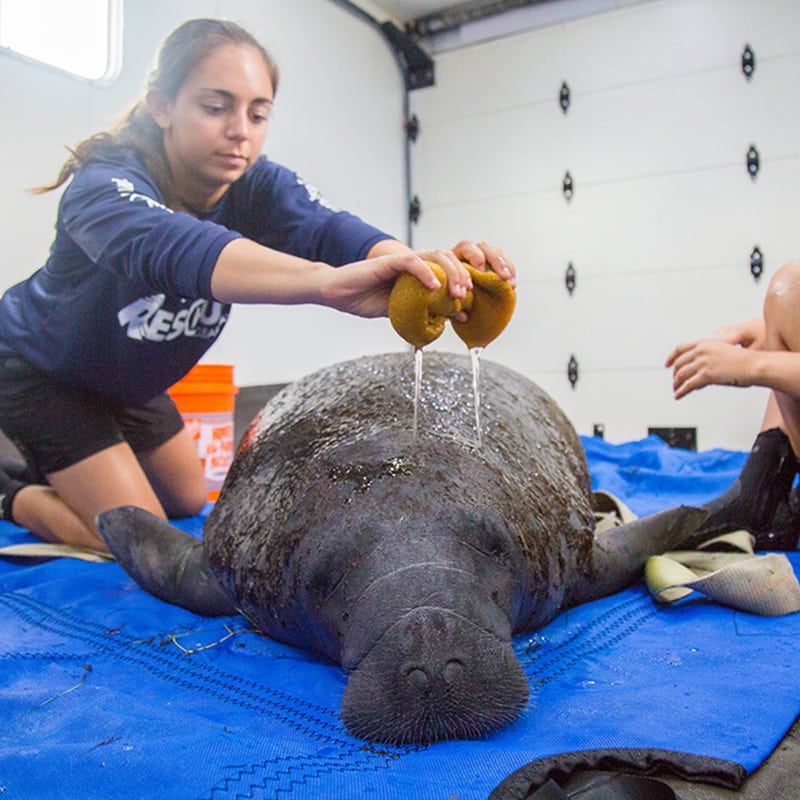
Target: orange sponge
[{"x": 419, "y": 314}]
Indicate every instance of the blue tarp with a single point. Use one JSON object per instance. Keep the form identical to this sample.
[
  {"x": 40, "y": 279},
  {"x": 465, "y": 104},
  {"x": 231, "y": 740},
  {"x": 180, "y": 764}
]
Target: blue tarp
[{"x": 106, "y": 692}]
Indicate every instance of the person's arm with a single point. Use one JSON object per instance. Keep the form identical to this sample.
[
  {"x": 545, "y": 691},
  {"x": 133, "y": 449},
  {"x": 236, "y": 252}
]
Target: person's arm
[
  {"x": 721, "y": 359},
  {"x": 246, "y": 272},
  {"x": 715, "y": 362}
]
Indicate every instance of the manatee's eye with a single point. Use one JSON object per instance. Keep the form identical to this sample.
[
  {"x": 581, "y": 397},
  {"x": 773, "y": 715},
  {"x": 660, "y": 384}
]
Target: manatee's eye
[
  {"x": 326, "y": 558},
  {"x": 320, "y": 581},
  {"x": 497, "y": 546},
  {"x": 323, "y": 570},
  {"x": 484, "y": 532}
]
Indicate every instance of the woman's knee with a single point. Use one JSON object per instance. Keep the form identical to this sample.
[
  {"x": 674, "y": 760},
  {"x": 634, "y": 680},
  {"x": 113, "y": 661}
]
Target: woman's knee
[
  {"x": 187, "y": 500},
  {"x": 782, "y": 305},
  {"x": 784, "y": 286},
  {"x": 176, "y": 474}
]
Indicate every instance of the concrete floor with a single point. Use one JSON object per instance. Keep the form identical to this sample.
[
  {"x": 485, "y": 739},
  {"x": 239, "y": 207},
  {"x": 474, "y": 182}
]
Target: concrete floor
[{"x": 777, "y": 779}]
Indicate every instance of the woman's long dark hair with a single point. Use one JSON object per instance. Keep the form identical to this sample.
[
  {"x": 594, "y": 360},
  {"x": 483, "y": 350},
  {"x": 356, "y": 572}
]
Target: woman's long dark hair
[{"x": 181, "y": 52}]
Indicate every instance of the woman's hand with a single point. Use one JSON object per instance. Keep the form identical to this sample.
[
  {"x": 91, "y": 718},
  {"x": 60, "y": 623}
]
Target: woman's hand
[
  {"x": 483, "y": 256},
  {"x": 363, "y": 287},
  {"x": 723, "y": 359},
  {"x": 747, "y": 334},
  {"x": 709, "y": 361},
  {"x": 247, "y": 272}
]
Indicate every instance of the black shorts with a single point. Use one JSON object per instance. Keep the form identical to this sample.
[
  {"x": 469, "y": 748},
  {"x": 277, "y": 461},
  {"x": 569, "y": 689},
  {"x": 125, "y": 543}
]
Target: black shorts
[{"x": 54, "y": 426}]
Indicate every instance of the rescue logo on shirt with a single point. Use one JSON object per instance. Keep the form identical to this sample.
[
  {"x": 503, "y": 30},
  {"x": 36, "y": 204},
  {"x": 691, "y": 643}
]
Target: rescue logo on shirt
[
  {"x": 126, "y": 191},
  {"x": 315, "y": 196},
  {"x": 146, "y": 319}
]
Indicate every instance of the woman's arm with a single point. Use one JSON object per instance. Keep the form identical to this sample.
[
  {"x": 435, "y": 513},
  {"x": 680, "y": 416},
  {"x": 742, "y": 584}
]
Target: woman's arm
[
  {"x": 246, "y": 272},
  {"x": 713, "y": 361}
]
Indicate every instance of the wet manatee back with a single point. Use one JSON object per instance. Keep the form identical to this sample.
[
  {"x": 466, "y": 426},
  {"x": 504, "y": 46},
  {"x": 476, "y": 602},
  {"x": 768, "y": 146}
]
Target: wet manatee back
[{"x": 331, "y": 468}]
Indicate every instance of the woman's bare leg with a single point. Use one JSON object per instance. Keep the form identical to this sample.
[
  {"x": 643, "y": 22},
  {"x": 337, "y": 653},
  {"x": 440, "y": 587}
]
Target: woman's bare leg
[
  {"x": 782, "y": 319},
  {"x": 176, "y": 475},
  {"x": 165, "y": 480}
]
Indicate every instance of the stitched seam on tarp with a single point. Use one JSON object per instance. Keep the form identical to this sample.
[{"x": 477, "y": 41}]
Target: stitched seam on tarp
[
  {"x": 289, "y": 771},
  {"x": 548, "y": 663},
  {"x": 357, "y": 759},
  {"x": 293, "y": 712}
]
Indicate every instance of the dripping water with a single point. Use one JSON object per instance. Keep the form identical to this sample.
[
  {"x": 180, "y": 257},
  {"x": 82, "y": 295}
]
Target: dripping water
[
  {"x": 475, "y": 354},
  {"x": 417, "y": 387}
]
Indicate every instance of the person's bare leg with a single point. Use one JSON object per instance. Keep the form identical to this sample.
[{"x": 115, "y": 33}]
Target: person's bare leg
[
  {"x": 40, "y": 510},
  {"x": 773, "y": 418},
  {"x": 66, "y": 510},
  {"x": 165, "y": 480},
  {"x": 759, "y": 499},
  {"x": 176, "y": 475},
  {"x": 782, "y": 322}
]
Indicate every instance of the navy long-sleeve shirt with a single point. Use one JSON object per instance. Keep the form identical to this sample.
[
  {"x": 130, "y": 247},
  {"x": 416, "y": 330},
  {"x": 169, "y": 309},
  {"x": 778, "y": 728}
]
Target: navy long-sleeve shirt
[{"x": 123, "y": 305}]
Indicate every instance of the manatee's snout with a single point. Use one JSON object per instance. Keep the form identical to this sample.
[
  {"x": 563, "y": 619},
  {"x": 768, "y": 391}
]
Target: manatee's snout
[{"x": 434, "y": 675}]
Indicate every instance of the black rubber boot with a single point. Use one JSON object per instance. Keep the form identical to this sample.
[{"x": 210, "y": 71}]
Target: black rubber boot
[
  {"x": 784, "y": 531},
  {"x": 758, "y": 500},
  {"x": 8, "y": 489},
  {"x": 17, "y": 468}
]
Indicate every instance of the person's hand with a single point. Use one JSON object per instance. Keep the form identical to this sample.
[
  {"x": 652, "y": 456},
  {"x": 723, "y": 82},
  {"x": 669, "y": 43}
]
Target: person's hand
[
  {"x": 706, "y": 362},
  {"x": 483, "y": 256},
  {"x": 363, "y": 287},
  {"x": 747, "y": 334},
  {"x": 459, "y": 281}
]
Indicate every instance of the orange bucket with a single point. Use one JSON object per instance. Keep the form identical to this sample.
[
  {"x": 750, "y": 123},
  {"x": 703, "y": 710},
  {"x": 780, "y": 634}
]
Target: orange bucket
[{"x": 205, "y": 397}]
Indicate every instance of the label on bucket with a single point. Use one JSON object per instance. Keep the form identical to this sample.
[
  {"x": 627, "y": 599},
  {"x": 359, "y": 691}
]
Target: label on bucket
[{"x": 213, "y": 436}]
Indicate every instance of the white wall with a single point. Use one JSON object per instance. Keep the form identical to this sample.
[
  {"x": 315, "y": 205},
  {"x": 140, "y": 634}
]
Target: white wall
[
  {"x": 337, "y": 120},
  {"x": 664, "y": 214}
]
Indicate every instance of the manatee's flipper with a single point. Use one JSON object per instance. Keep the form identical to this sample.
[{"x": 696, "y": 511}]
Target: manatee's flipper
[
  {"x": 164, "y": 561},
  {"x": 619, "y": 554}
]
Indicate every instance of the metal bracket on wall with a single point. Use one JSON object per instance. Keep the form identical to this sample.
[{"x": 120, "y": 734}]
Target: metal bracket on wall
[
  {"x": 412, "y": 128},
  {"x": 572, "y": 371},
  {"x": 417, "y": 70},
  {"x": 458, "y": 14},
  {"x": 570, "y": 278},
  {"x": 416, "y": 64},
  {"x": 748, "y": 61},
  {"x": 753, "y": 162},
  {"x": 414, "y": 210},
  {"x": 564, "y": 97},
  {"x": 756, "y": 263},
  {"x": 567, "y": 186}
]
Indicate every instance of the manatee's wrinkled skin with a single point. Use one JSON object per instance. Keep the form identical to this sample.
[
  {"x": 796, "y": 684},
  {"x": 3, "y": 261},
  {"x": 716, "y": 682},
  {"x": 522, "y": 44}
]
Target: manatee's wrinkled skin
[
  {"x": 334, "y": 522},
  {"x": 409, "y": 561}
]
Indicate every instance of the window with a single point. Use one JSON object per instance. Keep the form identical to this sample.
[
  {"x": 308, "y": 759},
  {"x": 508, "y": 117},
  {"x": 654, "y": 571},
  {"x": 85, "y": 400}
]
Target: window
[{"x": 81, "y": 37}]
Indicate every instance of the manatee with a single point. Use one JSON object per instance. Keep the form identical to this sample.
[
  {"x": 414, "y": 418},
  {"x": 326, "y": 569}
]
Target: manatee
[{"x": 410, "y": 561}]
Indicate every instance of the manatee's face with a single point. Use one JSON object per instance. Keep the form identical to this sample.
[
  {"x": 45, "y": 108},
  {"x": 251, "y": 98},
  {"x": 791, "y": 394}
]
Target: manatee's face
[
  {"x": 434, "y": 675},
  {"x": 401, "y": 561},
  {"x": 421, "y": 598}
]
